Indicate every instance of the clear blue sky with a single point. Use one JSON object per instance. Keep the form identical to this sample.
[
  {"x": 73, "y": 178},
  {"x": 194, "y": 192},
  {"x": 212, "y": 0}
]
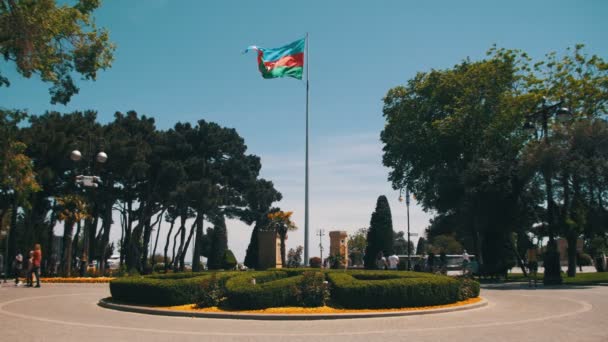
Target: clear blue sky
[{"x": 182, "y": 61}]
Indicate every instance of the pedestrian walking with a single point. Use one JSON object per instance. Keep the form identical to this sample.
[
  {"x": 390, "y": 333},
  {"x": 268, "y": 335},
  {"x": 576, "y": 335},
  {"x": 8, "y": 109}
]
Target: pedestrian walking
[
  {"x": 393, "y": 261},
  {"x": 430, "y": 262},
  {"x": 37, "y": 260},
  {"x": 532, "y": 256},
  {"x": 29, "y": 268},
  {"x": 18, "y": 267},
  {"x": 380, "y": 261}
]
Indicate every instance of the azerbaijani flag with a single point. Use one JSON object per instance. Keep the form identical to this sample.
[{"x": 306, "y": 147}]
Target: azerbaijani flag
[{"x": 286, "y": 61}]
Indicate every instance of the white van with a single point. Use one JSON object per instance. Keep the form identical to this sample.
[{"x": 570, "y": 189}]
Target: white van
[{"x": 113, "y": 262}]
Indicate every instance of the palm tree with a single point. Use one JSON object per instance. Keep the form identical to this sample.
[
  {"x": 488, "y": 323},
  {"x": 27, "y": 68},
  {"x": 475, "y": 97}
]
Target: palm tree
[
  {"x": 72, "y": 209},
  {"x": 281, "y": 223}
]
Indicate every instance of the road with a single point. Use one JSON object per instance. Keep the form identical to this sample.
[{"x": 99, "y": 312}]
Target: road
[{"x": 69, "y": 312}]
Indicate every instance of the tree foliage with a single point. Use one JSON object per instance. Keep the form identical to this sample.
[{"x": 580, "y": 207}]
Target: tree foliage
[
  {"x": 380, "y": 233},
  {"x": 189, "y": 175},
  {"x": 455, "y": 138},
  {"x": 53, "y": 41}
]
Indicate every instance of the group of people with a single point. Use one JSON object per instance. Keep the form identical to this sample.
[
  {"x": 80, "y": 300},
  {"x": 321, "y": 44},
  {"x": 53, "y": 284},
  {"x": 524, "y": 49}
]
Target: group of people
[
  {"x": 29, "y": 267},
  {"x": 389, "y": 263}
]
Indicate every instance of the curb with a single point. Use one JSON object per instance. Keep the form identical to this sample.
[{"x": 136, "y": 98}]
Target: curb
[{"x": 105, "y": 303}]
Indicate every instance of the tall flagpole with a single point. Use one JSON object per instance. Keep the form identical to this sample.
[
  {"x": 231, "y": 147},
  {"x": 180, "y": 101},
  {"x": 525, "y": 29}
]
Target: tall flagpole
[{"x": 306, "y": 173}]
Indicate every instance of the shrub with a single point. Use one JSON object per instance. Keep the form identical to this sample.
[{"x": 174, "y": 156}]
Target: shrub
[
  {"x": 584, "y": 259},
  {"x": 312, "y": 289},
  {"x": 294, "y": 257},
  {"x": 229, "y": 261},
  {"x": 389, "y": 289},
  {"x": 162, "y": 289},
  {"x": 271, "y": 289},
  {"x": 315, "y": 262},
  {"x": 469, "y": 288},
  {"x": 212, "y": 293}
]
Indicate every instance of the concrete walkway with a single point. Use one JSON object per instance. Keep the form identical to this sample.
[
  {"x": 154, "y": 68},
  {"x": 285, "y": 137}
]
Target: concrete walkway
[{"x": 69, "y": 312}]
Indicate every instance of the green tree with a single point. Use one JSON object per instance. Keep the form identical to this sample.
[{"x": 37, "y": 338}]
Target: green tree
[
  {"x": 260, "y": 199},
  {"x": 280, "y": 222},
  {"x": 421, "y": 246},
  {"x": 356, "y": 246},
  {"x": 294, "y": 257},
  {"x": 54, "y": 41},
  {"x": 380, "y": 233},
  {"x": 218, "y": 244},
  {"x": 566, "y": 155},
  {"x": 453, "y": 137}
]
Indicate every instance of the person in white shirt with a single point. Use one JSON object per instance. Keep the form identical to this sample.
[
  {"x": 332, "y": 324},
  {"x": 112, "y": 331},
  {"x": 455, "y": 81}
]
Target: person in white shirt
[
  {"x": 380, "y": 261},
  {"x": 393, "y": 261}
]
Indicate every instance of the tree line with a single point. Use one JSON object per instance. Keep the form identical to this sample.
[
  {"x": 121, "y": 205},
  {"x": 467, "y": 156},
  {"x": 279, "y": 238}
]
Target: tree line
[
  {"x": 482, "y": 146},
  {"x": 188, "y": 175}
]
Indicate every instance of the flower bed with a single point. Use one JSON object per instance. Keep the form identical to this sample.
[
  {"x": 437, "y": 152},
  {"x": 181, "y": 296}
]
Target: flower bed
[{"x": 77, "y": 280}]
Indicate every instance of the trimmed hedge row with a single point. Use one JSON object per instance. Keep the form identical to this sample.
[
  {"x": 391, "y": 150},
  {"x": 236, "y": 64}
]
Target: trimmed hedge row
[
  {"x": 272, "y": 289},
  {"x": 152, "y": 290},
  {"x": 389, "y": 289},
  {"x": 275, "y": 288}
]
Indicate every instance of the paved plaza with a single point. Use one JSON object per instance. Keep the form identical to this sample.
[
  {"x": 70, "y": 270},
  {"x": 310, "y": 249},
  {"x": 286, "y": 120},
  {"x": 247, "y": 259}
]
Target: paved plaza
[{"x": 69, "y": 312}]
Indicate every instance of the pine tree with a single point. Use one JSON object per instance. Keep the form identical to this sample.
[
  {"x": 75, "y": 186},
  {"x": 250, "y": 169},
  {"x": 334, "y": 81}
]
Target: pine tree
[
  {"x": 219, "y": 244},
  {"x": 380, "y": 233}
]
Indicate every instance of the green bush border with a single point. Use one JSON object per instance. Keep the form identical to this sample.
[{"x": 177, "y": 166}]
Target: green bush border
[
  {"x": 165, "y": 291},
  {"x": 357, "y": 289},
  {"x": 272, "y": 289},
  {"x": 390, "y": 289}
]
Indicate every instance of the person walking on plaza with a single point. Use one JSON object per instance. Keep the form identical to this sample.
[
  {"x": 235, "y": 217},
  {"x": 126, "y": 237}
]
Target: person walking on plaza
[
  {"x": 532, "y": 257},
  {"x": 29, "y": 266},
  {"x": 37, "y": 260},
  {"x": 17, "y": 267},
  {"x": 443, "y": 262},
  {"x": 380, "y": 261},
  {"x": 393, "y": 261},
  {"x": 430, "y": 262}
]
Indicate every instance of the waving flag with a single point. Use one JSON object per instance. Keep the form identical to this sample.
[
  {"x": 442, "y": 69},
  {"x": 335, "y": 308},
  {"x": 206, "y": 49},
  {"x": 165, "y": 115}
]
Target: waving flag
[{"x": 286, "y": 61}]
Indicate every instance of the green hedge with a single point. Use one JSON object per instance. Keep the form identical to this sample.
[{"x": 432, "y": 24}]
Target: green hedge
[
  {"x": 179, "y": 275},
  {"x": 272, "y": 289},
  {"x": 390, "y": 289},
  {"x": 152, "y": 290}
]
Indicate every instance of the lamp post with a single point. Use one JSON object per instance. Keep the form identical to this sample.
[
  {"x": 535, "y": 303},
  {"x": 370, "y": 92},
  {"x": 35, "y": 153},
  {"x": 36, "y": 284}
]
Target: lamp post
[
  {"x": 88, "y": 181},
  {"x": 542, "y": 116},
  {"x": 321, "y": 233},
  {"x": 407, "y": 206}
]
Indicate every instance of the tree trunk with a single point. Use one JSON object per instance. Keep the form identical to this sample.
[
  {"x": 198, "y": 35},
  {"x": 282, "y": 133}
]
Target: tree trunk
[
  {"x": 282, "y": 238},
  {"x": 68, "y": 227},
  {"x": 158, "y": 222},
  {"x": 75, "y": 240},
  {"x": 196, "y": 253},
  {"x": 572, "y": 239},
  {"x": 105, "y": 237},
  {"x": 147, "y": 233},
  {"x": 167, "y": 245},
  {"x": 182, "y": 257}
]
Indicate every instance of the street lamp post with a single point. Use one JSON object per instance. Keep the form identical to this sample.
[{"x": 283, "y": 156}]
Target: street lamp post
[
  {"x": 88, "y": 181},
  {"x": 407, "y": 206},
  {"x": 321, "y": 233},
  {"x": 562, "y": 114}
]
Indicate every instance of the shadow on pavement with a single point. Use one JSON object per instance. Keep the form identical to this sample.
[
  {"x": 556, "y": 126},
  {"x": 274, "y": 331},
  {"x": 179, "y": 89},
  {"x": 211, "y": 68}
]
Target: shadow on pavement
[{"x": 524, "y": 286}]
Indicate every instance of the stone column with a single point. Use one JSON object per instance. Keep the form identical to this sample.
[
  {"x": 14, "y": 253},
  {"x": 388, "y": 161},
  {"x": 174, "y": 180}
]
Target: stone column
[
  {"x": 269, "y": 250},
  {"x": 338, "y": 245}
]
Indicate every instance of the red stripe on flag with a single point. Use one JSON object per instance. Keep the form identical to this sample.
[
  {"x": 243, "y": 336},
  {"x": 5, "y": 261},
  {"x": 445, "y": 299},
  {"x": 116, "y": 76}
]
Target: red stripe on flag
[{"x": 287, "y": 61}]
